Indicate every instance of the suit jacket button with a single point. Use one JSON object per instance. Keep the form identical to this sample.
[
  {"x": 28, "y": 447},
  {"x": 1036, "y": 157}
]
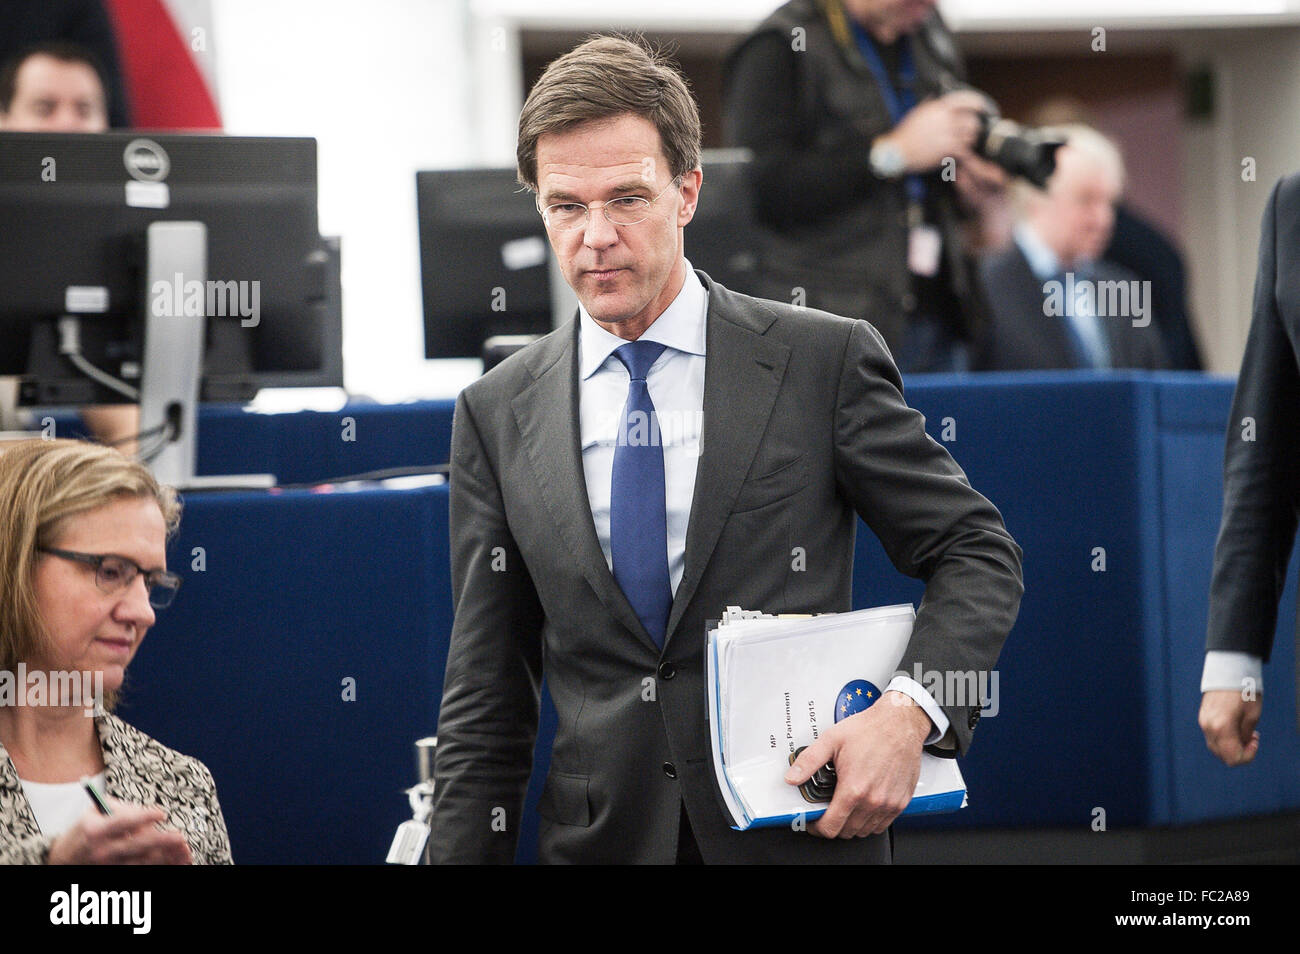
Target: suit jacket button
[
  {"x": 974, "y": 718},
  {"x": 667, "y": 670},
  {"x": 670, "y": 769}
]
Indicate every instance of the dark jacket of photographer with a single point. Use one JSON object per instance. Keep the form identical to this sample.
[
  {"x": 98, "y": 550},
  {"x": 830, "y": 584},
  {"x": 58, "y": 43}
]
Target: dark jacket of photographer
[{"x": 800, "y": 95}]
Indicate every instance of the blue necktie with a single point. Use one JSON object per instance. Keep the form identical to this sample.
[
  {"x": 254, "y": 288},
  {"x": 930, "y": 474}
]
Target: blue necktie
[
  {"x": 638, "y": 515},
  {"x": 1083, "y": 355}
]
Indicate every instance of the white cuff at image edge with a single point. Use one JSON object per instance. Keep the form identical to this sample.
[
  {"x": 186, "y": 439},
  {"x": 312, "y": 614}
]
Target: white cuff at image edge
[{"x": 1230, "y": 670}]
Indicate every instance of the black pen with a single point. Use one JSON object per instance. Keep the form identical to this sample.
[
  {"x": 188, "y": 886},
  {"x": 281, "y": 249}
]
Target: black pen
[{"x": 95, "y": 797}]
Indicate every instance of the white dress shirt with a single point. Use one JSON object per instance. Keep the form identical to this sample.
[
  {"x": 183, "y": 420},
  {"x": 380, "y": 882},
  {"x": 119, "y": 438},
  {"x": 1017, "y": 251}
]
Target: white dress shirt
[
  {"x": 676, "y": 385},
  {"x": 1225, "y": 669}
]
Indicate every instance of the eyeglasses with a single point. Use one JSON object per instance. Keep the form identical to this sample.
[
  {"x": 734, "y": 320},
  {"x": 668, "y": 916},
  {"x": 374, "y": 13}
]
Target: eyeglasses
[
  {"x": 624, "y": 210},
  {"x": 114, "y": 573}
]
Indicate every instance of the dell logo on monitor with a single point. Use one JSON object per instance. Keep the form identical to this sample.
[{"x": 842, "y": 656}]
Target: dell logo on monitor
[{"x": 146, "y": 161}]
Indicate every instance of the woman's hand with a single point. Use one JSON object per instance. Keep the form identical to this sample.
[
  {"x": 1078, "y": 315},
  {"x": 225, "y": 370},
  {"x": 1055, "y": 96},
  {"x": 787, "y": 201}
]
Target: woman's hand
[{"x": 129, "y": 836}]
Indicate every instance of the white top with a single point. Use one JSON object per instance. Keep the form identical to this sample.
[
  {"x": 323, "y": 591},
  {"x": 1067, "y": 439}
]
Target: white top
[{"x": 57, "y": 806}]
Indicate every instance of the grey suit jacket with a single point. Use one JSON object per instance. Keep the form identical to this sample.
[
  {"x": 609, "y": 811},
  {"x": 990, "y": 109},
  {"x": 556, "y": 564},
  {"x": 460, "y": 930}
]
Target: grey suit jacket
[
  {"x": 1020, "y": 337},
  {"x": 804, "y": 426}
]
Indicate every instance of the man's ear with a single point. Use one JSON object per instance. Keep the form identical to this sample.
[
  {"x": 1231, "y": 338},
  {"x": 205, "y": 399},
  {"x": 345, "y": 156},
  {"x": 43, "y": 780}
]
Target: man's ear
[{"x": 690, "y": 191}]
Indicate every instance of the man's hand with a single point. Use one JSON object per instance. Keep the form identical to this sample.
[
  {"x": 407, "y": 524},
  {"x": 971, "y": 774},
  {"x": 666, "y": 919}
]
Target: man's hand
[
  {"x": 938, "y": 129},
  {"x": 130, "y": 836},
  {"x": 1228, "y": 721},
  {"x": 877, "y": 758}
]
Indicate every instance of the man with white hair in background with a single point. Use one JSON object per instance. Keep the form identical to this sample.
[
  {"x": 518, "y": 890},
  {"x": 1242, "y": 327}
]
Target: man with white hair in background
[{"x": 1055, "y": 302}]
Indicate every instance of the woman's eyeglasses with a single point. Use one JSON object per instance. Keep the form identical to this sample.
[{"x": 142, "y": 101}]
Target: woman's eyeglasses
[{"x": 114, "y": 573}]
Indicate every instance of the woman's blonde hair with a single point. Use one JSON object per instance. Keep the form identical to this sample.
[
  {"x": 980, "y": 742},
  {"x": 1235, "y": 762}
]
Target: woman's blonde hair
[{"x": 42, "y": 484}]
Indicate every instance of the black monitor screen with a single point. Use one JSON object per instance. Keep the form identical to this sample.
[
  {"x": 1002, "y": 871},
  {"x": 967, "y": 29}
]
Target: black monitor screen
[
  {"x": 74, "y": 212},
  {"x": 720, "y": 238},
  {"x": 482, "y": 260}
]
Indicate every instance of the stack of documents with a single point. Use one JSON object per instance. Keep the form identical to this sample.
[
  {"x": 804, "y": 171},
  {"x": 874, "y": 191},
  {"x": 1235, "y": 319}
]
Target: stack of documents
[{"x": 775, "y": 684}]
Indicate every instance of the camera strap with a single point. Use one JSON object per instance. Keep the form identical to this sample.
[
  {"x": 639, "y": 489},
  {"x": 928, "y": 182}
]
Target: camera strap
[{"x": 900, "y": 99}]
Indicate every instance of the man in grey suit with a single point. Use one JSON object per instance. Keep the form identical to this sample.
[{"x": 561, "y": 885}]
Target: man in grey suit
[
  {"x": 1261, "y": 484},
  {"x": 594, "y": 550}
]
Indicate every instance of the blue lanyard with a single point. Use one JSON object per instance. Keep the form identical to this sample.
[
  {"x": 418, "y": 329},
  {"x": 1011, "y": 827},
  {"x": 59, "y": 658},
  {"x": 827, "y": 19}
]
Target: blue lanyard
[{"x": 899, "y": 102}]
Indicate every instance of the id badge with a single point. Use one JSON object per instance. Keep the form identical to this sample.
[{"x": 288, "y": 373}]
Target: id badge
[{"x": 924, "y": 243}]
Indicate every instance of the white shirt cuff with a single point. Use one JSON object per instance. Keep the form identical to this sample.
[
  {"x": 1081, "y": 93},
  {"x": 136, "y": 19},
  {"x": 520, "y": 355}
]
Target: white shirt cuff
[
  {"x": 914, "y": 690},
  {"x": 1230, "y": 670}
]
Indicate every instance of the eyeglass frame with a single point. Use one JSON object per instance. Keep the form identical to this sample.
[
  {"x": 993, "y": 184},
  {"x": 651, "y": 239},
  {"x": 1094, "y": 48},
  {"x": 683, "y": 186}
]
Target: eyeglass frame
[
  {"x": 601, "y": 204},
  {"x": 161, "y": 578}
]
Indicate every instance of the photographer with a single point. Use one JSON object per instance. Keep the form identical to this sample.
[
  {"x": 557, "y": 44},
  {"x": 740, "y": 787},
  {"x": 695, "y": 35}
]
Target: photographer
[{"x": 860, "y": 160}]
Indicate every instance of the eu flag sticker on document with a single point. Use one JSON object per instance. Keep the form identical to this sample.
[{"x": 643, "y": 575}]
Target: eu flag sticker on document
[{"x": 854, "y": 698}]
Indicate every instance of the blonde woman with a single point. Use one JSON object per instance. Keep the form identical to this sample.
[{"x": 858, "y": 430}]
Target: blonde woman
[{"x": 83, "y": 534}]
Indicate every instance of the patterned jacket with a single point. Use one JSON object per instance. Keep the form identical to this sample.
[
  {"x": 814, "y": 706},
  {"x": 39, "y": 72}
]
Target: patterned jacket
[{"x": 141, "y": 771}]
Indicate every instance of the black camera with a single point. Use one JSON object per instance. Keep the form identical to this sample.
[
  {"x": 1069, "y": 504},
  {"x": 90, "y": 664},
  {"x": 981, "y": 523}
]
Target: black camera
[{"x": 1020, "y": 150}]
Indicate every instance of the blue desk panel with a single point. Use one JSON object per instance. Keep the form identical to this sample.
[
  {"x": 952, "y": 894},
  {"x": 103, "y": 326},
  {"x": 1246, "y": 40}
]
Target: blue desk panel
[
  {"x": 1099, "y": 681},
  {"x": 317, "y": 445},
  {"x": 249, "y": 668},
  {"x": 309, "y": 446}
]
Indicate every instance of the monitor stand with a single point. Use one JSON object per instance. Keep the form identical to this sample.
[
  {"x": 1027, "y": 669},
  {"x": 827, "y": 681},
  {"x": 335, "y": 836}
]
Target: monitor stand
[{"x": 176, "y": 267}]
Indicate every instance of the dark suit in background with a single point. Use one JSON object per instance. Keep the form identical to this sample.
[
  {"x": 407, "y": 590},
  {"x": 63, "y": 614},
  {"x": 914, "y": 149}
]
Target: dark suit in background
[
  {"x": 1261, "y": 477},
  {"x": 805, "y": 427},
  {"x": 1144, "y": 250},
  {"x": 1022, "y": 337}
]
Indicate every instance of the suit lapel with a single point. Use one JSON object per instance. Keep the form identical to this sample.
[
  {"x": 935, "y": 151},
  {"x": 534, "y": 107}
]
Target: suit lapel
[
  {"x": 1047, "y": 334},
  {"x": 743, "y": 374},
  {"x": 547, "y": 416}
]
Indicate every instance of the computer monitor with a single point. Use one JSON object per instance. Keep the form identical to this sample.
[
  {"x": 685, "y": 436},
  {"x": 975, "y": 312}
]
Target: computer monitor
[
  {"x": 482, "y": 260},
  {"x": 194, "y": 235},
  {"x": 484, "y": 253},
  {"x": 720, "y": 238}
]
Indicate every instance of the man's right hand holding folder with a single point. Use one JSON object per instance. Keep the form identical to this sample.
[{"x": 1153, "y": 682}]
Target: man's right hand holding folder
[{"x": 877, "y": 759}]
